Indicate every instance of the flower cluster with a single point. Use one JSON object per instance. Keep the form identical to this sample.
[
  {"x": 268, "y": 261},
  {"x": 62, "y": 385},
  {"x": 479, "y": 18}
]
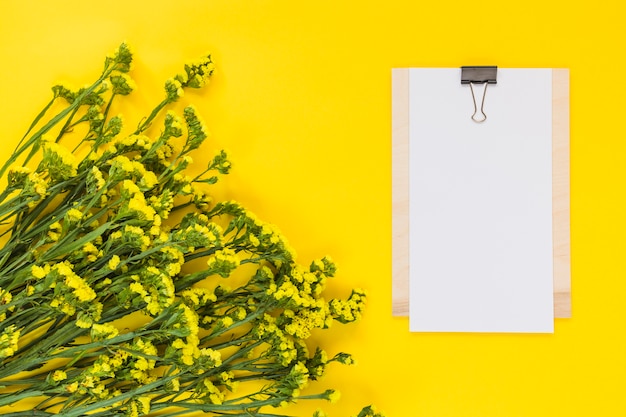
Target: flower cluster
[{"x": 102, "y": 303}]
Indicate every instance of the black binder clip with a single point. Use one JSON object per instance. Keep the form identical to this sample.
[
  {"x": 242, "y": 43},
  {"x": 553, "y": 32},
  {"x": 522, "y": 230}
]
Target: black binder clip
[{"x": 479, "y": 75}]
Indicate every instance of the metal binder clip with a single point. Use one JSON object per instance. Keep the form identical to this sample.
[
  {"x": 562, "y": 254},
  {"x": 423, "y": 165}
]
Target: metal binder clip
[{"x": 479, "y": 75}]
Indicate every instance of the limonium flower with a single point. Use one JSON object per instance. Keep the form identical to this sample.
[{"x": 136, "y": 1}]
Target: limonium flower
[{"x": 126, "y": 290}]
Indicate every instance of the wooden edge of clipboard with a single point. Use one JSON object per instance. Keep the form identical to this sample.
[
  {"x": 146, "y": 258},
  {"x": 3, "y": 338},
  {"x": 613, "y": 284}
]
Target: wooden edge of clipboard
[{"x": 560, "y": 192}]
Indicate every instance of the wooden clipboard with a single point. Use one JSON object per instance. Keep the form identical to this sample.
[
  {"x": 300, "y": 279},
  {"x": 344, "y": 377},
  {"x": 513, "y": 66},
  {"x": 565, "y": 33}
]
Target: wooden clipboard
[{"x": 560, "y": 192}]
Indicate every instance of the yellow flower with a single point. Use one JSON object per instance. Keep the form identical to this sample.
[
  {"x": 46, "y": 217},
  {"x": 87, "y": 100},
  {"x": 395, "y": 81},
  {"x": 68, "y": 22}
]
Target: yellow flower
[
  {"x": 96, "y": 177},
  {"x": 90, "y": 248},
  {"x": 215, "y": 395},
  {"x": 133, "y": 410},
  {"x": 58, "y": 161},
  {"x": 138, "y": 204},
  {"x": 125, "y": 165},
  {"x": 8, "y": 341},
  {"x": 82, "y": 290},
  {"x": 142, "y": 364},
  {"x": 174, "y": 385},
  {"x": 71, "y": 388},
  {"x": 65, "y": 308},
  {"x": 54, "y": 232},
  {"x": 5, "y": 297},
  {"x": 74, "y": 215},
  {"x": 84, "y": 322},
  {"x": 214, "y": 355},
  {"x": 173, "y": 89},
  {"x": 172, "y": 269},
  {"x": 103, "y": 331},
  {"x": 59, "y": 375},
  {"x": 122, "y": 84},
  {"x": 139, "y": 289},
  {"x": 35, "y": 183},
  {"x": 254, "y": 240},
  {"x": 333, "y": 396},
  {"x": 63, "y": 268},
  {"x": 18, "y": 174},
  {"x": 114, "y": 262},
  {"x": 153, "y": 307},
  {"x": 144, "y": 404},
  {"x": 241, "y": 313}
]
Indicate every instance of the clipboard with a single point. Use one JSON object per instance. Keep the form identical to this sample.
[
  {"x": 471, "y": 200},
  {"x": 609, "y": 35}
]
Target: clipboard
[{"x": 560, "y": 193}]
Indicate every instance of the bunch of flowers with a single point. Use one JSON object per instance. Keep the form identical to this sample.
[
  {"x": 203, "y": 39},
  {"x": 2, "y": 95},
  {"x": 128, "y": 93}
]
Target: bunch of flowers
[{"x": 101, "y": 313}]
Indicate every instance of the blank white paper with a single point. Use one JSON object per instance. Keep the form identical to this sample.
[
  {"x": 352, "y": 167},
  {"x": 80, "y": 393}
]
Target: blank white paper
[{"x": 481, "y": 203}]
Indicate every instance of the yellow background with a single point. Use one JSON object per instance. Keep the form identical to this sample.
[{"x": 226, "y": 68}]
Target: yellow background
[{"x": 301, "y": 98}]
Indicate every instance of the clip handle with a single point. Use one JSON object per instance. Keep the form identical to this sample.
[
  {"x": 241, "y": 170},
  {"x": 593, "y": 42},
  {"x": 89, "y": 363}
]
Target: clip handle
[
  {"x": 479, "y": 75},
  {"x": 482, "y": 104}
]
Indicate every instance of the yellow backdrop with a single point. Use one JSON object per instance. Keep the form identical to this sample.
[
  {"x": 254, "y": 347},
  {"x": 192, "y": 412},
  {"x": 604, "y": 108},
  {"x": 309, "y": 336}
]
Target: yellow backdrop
[{"x": 301, "y": 98}]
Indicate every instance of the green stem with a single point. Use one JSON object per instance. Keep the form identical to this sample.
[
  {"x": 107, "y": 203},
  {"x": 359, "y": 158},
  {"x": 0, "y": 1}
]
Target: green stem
[
  {"x": 67, "y": 124},
  {"x": 51, "y": 123},
  {"x": 32, "y": 125},
  {"x": 13, "y": 398},
  {"x": 82, "y": 410},
  {"x": 148, "y": 120}
]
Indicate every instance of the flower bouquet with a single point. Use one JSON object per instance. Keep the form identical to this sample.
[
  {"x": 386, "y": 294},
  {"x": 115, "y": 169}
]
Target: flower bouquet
[{"x": 126, "y": 291}]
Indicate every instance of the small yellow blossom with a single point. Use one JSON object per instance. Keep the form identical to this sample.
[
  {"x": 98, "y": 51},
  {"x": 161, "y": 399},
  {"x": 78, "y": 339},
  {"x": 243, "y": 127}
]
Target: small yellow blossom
[
  {"x": 59, "y": 375},
  {"x": 5, "y": 297},
  {"x": 96, "y": 178},
  {"x": 254, "y": 241},
  {"x": 174, "y": 385},
  {"x": 132, "y": 410},
  {"x": 84, "y": 323},
  {"x": 58, "y": 161},
  {"x": 114, "y": 262},
  {"x": 71, "y": 388},
  {"x": 144, "y": 404},
  {"x": 139, "y": 289},
  {"x": 74, "y": 215},
  {"x": 54, "y": 231},
  {"x": 333, "y": 396},
  {"x": 9, "y": 341},
  {"x": 103, "y": 331}
]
